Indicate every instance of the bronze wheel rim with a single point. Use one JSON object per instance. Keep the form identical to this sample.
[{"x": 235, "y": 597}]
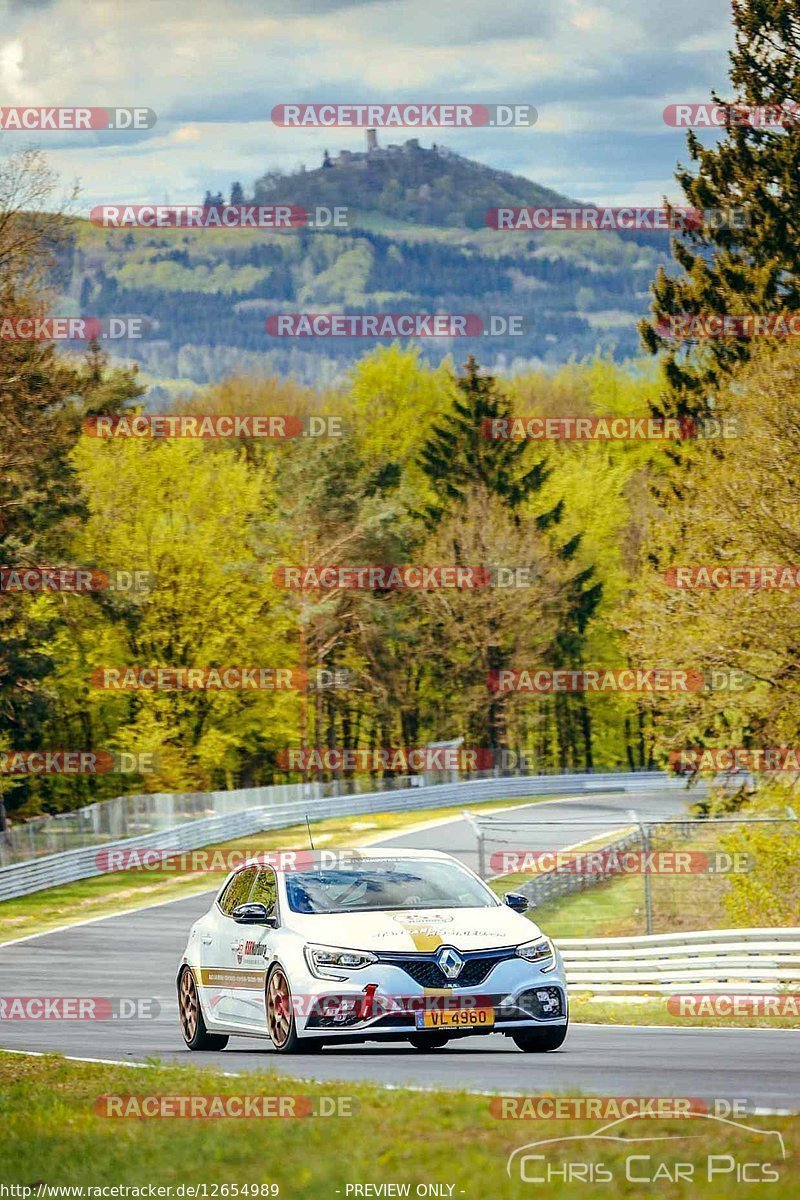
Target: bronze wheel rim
[
  {"x": 188, "y": 1006},
  {"x": 279, "y": 1008}
]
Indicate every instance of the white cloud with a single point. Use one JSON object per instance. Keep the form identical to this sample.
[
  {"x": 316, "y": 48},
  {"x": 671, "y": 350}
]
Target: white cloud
[{"x": 213, "y": 71}]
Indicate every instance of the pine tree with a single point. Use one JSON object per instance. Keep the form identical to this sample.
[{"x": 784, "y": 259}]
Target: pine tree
[
  {"x": 730, "y": 269},
  {"x": 459, "y": 455}
]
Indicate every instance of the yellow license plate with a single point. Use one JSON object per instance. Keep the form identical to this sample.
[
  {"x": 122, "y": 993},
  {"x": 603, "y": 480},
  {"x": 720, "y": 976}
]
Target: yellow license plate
[{"x": 458, "y": 1018}]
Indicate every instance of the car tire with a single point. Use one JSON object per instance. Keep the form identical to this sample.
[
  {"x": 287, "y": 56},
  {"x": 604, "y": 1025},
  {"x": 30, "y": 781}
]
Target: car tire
[
  {"x": 193, "y": 1027},
  {"x": 281, "y": 1025},
  {"x": 428, "y": 1041},
  {"x": 539, "y": 1041}
]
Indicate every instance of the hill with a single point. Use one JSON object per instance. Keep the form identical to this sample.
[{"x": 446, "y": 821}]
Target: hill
[
  {"x": 426, "y": 186},
  {"x": 417, "y": 242}
]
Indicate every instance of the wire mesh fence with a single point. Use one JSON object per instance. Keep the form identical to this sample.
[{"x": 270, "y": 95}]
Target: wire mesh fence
[{"x": 622, "y": 874}]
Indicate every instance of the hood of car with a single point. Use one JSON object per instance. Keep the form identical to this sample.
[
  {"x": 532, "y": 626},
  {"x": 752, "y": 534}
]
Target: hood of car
[{"x": 416, "y": 930}]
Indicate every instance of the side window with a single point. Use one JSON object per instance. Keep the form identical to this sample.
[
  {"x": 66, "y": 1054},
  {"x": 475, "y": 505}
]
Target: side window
[
  {"x": 238, "y": 891},
  {"x": 266, "y": 889}
]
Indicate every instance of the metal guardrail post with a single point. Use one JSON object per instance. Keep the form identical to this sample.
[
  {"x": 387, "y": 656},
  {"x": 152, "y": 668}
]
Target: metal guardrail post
[{"x": 648, "y": 891}]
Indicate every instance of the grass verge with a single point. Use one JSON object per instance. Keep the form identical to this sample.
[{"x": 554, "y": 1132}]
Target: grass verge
[
  {"x": 53, "y": 1134},
  {"x": 652, "y": 1010}
]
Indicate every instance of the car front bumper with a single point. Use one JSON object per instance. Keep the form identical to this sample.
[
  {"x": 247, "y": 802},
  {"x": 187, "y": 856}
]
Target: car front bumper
[{"x": 382, "y": 1000}]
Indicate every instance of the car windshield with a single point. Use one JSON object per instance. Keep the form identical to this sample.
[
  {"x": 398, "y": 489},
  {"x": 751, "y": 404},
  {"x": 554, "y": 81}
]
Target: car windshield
[{"x": 390, "y": 884}]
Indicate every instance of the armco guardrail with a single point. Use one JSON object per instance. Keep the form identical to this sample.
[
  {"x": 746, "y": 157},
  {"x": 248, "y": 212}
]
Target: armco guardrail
[
  {"x": 253, "y": 809},
  {"x": 736, "y": 961},
  {"x": 23, "y": 878},
  {"x": 133, "y": 816}
]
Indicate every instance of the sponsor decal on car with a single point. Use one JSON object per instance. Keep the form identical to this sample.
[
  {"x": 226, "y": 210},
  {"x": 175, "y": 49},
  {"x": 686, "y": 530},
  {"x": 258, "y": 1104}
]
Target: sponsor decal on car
[
  {"x": 251, "y": 950},
  {"x": 229, "y": 978}
]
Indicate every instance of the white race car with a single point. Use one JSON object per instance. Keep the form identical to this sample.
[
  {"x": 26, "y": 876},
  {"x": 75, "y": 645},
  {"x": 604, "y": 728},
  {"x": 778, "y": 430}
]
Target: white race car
[{"x": 332, "y": 946}]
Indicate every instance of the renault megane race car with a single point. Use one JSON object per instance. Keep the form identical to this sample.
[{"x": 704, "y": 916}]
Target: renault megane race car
[{"x": 315, "y": 947}]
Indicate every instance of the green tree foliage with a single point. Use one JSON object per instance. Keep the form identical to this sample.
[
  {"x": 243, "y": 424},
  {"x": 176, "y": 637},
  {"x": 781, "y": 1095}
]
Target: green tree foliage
[
  {"x": 736, "y": 268},
  {"x": 44, "y": 398},
  {"x": 733, "y": 503},
  {"x": 737, "y": 507},
  {"x": 408, "y": 482},
  {"x": 412, "y": 480},
  {"x": 467, "y": 468}
]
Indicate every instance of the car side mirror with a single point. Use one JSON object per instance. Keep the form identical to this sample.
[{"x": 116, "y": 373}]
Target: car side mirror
[
  {"x": 253, "y": 914},
  {"x": 516, "y": 902}
]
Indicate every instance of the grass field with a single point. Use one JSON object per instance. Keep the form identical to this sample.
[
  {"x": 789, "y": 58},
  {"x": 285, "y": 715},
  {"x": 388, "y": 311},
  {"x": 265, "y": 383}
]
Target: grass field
[
  {"x": 611, "y": 909},
  {"x": 52, "y": 1134}
]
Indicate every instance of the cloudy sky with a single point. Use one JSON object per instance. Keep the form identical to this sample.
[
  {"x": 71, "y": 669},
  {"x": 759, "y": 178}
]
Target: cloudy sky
[{"x": 599, "y": 73}]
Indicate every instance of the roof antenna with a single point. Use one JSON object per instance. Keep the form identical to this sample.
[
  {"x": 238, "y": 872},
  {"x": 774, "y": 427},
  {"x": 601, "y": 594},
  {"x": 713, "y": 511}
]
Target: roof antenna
[{"x": 308, "y": 827}]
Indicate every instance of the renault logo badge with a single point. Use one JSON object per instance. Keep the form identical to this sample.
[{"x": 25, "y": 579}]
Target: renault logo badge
[{"x": 450, "y": 962}]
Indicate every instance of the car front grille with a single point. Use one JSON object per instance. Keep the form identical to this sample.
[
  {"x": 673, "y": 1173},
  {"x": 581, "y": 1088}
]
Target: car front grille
[{"x": 425, "y": 971}]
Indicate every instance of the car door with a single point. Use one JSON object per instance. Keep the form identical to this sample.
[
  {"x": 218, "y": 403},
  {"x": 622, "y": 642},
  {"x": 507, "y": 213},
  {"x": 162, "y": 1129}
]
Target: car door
[
  {"x": 253, "y": 949},
  {"x": 223, "y": 978}
]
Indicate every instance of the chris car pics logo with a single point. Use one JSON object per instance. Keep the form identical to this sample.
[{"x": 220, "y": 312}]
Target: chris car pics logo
[{"x": 625, "y": 1150}]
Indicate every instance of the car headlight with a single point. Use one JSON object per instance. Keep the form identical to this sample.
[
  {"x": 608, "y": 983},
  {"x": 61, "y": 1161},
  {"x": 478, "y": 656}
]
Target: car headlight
[
  {"x": 542, "y": 952},
  {"x": 324, "y": 961}
]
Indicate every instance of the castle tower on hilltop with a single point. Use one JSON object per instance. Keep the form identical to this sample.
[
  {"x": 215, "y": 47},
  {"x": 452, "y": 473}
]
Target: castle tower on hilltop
[{"x": 372, "y": 140}]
